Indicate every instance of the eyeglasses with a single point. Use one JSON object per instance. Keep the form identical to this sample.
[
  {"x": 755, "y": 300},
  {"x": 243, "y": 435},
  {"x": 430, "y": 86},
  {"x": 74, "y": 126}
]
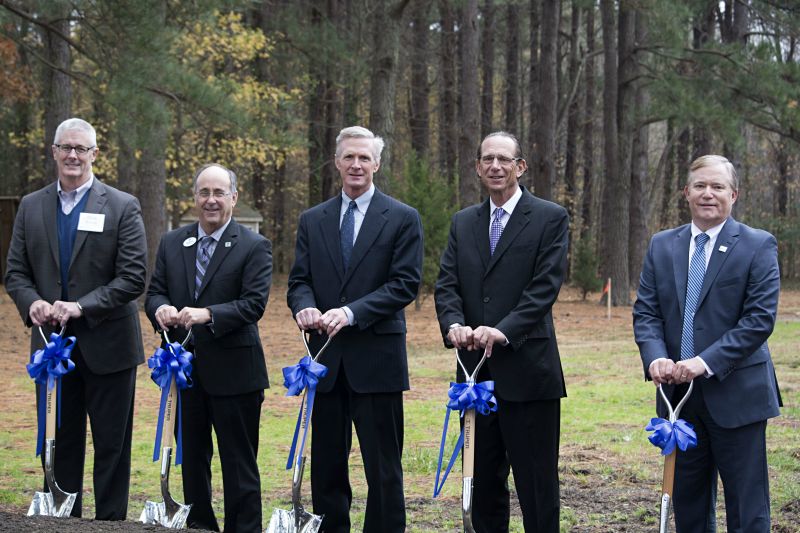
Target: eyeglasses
[
  {"x": 504, "y": 161},
  {"x": 216, "y": 193},
  {"x": 67, "y": 148}
]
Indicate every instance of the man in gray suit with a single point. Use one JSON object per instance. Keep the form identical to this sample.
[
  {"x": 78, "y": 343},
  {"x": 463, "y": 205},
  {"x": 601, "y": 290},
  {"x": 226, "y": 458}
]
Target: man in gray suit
[{"x": 78, "y": 257}]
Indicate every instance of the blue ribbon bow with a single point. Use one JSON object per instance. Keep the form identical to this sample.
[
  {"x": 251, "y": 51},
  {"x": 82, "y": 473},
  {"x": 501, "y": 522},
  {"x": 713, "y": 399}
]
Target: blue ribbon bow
[
  {"x": 304, "y": 375},
  {"x": 667, "y": 435},
  {"x": 47, "y": 367},
  {"x": 463, "y": 396},
  {"x": 177, "y": 362}
]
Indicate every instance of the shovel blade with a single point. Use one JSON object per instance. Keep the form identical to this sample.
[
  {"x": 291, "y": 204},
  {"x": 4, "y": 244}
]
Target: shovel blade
[
  {"x": 44, "y": 505},
  {"x": 466, "y": 504},
  {"x": 284, "y": 522},
  {"x": 665, "y": 512},
  {"x": 156, "y": 513}
]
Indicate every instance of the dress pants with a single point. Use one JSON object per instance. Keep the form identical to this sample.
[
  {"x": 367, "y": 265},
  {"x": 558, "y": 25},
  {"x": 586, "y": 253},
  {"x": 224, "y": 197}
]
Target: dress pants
[
  {"x": 740, "y": 457},
  {"x": 378, "y": 419},
  {"x": 108, "y": 400},
  {"x": 522, "y": 436},
  {"x": 235, "y": 420}
]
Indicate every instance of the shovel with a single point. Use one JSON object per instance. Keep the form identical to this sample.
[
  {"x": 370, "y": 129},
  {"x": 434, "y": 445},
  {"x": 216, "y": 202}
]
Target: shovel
[
  {"x": 168, "y": 513},
  {"x": 669, "y": 461},
  {"x": 298, "y": 520},
  {"x": 56, "y": 502},
  {"x": 468, "y": 453}
]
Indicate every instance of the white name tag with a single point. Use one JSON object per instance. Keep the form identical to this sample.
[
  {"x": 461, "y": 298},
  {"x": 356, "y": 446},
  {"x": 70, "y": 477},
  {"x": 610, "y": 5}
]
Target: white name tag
[{"x": 91, "y": 222}]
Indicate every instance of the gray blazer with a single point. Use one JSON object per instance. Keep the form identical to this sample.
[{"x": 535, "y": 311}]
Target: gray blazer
[{"x": 106, "y": 274}]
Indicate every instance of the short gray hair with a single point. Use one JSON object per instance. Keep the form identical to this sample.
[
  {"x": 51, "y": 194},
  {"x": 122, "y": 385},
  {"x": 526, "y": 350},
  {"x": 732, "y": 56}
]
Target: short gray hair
[
  {"x": 711, "y": 161},
  {"x": 503, "y": 134},
  {"x": 77, "y": 124},
  {"x": 358, "y": 132},
  {"x": 231, "y": 175}
]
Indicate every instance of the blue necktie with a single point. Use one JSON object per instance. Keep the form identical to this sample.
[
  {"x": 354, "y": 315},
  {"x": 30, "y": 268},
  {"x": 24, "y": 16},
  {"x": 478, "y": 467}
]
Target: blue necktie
[
  {"x": 496, "y": 229},
  {"x": 697, "y": 271},
  {"x": 201, "y": 263},
  {"x": 347, "y": 233}
]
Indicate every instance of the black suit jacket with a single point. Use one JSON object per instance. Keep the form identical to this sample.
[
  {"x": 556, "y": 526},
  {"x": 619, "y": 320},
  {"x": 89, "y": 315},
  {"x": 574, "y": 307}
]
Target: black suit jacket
[
  {"x": 383, "y": 277},
  {"x": 513, "y": 290},
  {"x": 228, "y": 355},
  {"x": 106, "y": 273}
]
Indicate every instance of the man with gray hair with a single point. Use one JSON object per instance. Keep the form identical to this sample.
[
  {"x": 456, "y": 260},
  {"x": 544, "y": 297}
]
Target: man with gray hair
[
  {"x": 78, "y": 258},
  {"x": 358, "y": 264},
  {"x": 706, "y": 304},
  {"x": 212, "y": 277}
]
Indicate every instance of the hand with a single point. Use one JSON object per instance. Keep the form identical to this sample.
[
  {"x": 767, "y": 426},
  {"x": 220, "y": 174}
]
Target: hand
[
  {"x": 333, "y": 321},
  {"x": 461, "y": 337},
  {"x": 308, "y": 319},
  {"x": 485, "y": 337},
  {"x": 41, "y": 313},
  {"x": 686, "y": 371},
  {"x": 63, "y": 311},
  {"x": 189, "y": 316},
  {"x": 167, "y": 316}
]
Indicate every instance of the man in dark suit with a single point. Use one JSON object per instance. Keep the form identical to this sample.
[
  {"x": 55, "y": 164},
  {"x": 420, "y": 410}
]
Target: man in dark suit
[
  {"x": 213, "y": 277},
  {"x": 500, "y": 275},
  {"x": 706, "y": 304},
  {"x": 358, "y": 263},
  {"x": 78, "y": 257}
]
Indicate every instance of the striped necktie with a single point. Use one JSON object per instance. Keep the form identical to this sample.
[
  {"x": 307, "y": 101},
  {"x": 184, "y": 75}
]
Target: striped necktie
[
  {"x": 201, "y": 263},
  {"x": 697, "y": 271}
]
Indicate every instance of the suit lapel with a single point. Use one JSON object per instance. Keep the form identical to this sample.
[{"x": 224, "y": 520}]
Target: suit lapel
[
  {"x": 190, "y": 257},
  {"x": 680, "y": 263},
  {"x": 480, "y": 231},
  {"x": 728, "y": 238},
  {"x": 371, "y": 227},
  {"x": 519, "y": 219},
  {"x": 94, "y": 204},
  {"x": 226, "y": 243},
  {"x": 329, "y": 228},
  {"x": 49, "y": 210}
]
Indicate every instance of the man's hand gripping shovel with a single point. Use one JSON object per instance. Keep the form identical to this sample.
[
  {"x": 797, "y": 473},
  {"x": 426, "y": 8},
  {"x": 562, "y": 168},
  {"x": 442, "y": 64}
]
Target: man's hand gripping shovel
[
  {"x": 468, "y": 398},
  {"x": 47, "y": 366},
  {"x": 302, "y": 377},
  {"x": 671, "y": 435},
  {"x": 171, "y": 370}
]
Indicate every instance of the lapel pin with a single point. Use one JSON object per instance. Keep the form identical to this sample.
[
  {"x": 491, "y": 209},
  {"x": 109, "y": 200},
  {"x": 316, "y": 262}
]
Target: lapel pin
[
  {"x": 227, "y": 244},
  {"x": 189, "y": 242},
  {"x": 723, "y": 249}
]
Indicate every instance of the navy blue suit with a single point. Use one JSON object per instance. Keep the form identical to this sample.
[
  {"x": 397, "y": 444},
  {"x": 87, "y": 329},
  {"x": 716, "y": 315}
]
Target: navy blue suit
[
  {"x": 735, "y": 315},
  {"x": 367, "y": 365}
]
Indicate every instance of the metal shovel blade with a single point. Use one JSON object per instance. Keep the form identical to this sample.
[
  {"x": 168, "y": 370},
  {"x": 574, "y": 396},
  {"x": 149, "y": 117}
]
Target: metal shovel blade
[
  {"x": 665, "y": 508},
  {"x": 168, "y": 513},
  {"x": 466, "y": 505},
  {"x": 57, "y": 502},
  {"x": 284, "y": 522}
]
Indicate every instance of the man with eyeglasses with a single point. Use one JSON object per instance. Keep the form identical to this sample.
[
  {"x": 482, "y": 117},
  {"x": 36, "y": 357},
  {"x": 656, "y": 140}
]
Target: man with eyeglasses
[
  {"x": 78, "y": 258},
  {"x": 499, "y": 278},
  {"x": 213, "y": 277}
]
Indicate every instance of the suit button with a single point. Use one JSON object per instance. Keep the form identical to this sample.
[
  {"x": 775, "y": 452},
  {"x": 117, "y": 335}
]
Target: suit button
[
  {"x": 342, "y": 299},
  {"x": 486, "y": 299}
]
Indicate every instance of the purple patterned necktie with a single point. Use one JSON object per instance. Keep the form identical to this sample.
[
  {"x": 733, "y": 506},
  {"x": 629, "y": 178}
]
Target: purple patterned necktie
[
  {"x": 496, "y": 229},
  {"x": 697, "y": 271},
  {"x": 201, "y": 263}
]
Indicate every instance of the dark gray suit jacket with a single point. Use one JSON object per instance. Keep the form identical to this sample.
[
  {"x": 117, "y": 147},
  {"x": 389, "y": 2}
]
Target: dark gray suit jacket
[
  {"x": 513, "y": 290},
  {"x": 382, "y": 279},
  {"x": 735, "y": 315},
  {"x": 106, "y": 273}
]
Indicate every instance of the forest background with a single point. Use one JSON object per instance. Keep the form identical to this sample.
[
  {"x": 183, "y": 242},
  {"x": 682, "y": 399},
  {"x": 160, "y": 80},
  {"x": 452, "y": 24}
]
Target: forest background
[{"x": 610, "y": 100}]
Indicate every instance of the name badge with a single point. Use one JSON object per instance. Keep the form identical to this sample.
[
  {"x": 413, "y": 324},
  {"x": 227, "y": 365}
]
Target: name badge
[{"x": 91, "y": 222}]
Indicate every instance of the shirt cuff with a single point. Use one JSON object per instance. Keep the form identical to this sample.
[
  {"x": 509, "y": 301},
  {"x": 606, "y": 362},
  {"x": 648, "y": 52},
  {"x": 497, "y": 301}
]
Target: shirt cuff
[
  {"x": 351, "y": 319},
  {"x": 709, "y": 372}
]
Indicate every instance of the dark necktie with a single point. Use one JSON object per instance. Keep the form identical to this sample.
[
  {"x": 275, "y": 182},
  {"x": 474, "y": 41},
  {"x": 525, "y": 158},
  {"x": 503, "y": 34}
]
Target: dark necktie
[
  {"x": 201, "y": 262},
  {"x": 496, "y": 229},
  {"x": 347, "y": 233},
  {"x": 697, "y": 271}
]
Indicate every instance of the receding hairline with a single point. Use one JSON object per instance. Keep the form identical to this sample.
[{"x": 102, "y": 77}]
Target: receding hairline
[
  {"x": 507, "y": 135},
  {"x": 710, "y": 161}
]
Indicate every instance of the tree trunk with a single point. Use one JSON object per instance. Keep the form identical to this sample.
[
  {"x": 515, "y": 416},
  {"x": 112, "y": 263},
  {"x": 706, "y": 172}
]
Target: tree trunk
[
  {"x": 682, "y": 164},
  {"x": 533, "y": 77},
  {"x": 487, "y": 68},
  {"x": 448, "y": 132},
  {"x": 152, "y": 175},
  {"x": 469, "y": 104},
  {"x": 513, "y": 115},
  {"x": 57, "y": 86},
  {"x": 544, "y": 132},
  {"x": 419, "y": 122},
  {"x": 571, "y": 148},
  {"x": 588, "y": 127},
  {"x": 640, "y": 187}
]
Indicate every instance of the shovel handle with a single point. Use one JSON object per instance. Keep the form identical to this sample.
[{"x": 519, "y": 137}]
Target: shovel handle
[
  {"x": 50, "y": 411},
  {"x": 468, "y": 468},
  {"x": 669, "y": 473},
  {"x": 168, "y": 428}
]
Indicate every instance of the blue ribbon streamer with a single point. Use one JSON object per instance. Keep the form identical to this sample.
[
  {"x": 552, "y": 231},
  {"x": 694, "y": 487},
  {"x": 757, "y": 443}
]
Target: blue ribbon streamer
[
  {"x": 47, "y": 367},
  {"x": 463, "y": 396},
  {"x": 304, "y": 375},
  {"x": 177, "y": 362},
  {"x": 667, "y": 435}
]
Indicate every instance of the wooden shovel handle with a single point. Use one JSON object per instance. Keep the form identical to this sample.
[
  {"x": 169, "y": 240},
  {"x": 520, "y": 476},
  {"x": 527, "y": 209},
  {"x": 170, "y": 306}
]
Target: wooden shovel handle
[
  {"x": 669, "y": 473},
  {"x": 50, "y": 410},
  {"x": 468, "y": 467},
  {"x": 170, "y": 411}
]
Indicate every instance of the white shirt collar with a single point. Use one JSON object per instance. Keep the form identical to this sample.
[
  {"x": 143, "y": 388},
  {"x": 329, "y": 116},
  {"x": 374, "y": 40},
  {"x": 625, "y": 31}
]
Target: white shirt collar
[
  {"x": 362, "y": 202},
  {"x": 509, "y": 206},
  {"x": 217, "y": 235},
  {"x": 712, "y": 232},
  {"x": 80, "y": 191}
]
